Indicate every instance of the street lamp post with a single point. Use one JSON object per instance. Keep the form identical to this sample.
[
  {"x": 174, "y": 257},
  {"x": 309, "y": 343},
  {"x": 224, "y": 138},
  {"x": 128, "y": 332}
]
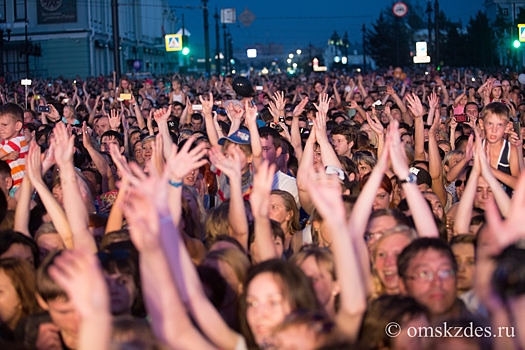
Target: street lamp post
[
  {"x": 2, "y": 41},
  {"x": 218, "y": 43},
  {"x": 206, "y": 35}
]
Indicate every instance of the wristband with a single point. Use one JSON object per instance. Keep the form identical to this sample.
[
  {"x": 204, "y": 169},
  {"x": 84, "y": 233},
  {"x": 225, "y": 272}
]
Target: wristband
[{"x": 175, "y": 184}]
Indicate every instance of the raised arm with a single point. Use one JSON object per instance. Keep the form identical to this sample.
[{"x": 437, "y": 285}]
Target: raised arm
[
  {"x": 231, "y": 167},
  {"x": 255, "y": 139},
  {"x": 326, "y": 195},
  {"x": 148, "y": 215},
  {"x": 435, "y": 166},
  {"x": 295, "y": 132},
  {"x": 328, "y": 154},
  {"x": 138, "y": 113},
  {"x": 207, "y": 112},
  {"x": 58, "y": 217},
  {"x": 161, "y": 117},
  {"x": 457, "y": 169},
  {"x": 75, "y": 207},
  {"x": 260, "y": 202},
  {"x": 415, "y": 106},
  {"x": 182, "y": 269},
  {"x": 404, "y": 112},
  {"x": 305, "y": 167},
  {"x": 421, "y": 213},
  {"x": 93, "y": 111}
]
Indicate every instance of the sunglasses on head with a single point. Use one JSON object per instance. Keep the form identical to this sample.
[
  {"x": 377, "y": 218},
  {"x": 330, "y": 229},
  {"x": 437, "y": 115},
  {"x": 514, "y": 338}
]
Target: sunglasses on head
[{"x": 115, "y": 254}]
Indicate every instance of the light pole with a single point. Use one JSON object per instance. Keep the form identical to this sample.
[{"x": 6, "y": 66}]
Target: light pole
[
  {"x": 436, "y": 34},
  {"x": 218, "y": 43},
  {"x": 206, "y": 35},
  {"x": 2, "y": 41}
]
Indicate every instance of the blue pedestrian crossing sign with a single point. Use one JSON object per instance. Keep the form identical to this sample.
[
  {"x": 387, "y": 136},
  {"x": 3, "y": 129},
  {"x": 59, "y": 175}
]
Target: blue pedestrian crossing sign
[
  {"x": 173, "y": 42},
  {"x": 521, "y": 32}
]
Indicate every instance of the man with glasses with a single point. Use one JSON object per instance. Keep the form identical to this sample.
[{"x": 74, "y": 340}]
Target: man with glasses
[{"x": 427, "y": 270}]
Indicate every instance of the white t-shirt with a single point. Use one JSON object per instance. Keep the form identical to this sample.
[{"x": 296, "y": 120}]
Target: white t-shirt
[{"x": 284, "y": 182}]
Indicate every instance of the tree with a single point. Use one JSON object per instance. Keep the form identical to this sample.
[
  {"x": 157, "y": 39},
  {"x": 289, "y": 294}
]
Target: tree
[
  {"x": 481, "y": 42},
  {"x": 388, "y": 40}
]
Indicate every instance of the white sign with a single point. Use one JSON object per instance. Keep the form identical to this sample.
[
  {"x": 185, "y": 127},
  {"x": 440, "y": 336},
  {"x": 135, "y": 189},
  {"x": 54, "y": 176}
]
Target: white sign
[
  {"x": 421, "y": 48},
  {"x": 421, "y": 59},
  {"x": 228, "y": 15},
  {"x": 251, "y": 53},
  {"x": 421, "y": 53}
]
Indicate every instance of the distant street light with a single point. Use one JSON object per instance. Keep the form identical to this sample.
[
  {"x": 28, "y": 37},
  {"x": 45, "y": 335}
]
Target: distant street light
[
  {"x": 290, "y": 55},
  {"x": 298, "y": 51}
]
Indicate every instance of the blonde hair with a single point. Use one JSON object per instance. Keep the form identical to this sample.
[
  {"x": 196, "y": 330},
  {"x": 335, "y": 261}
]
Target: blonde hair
[
  {"x": 236, "y": 259},
  {"x": 404, "y": 230}
]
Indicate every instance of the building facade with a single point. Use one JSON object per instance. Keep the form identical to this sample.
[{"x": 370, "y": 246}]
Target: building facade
[{"x": 67, "y": 38}]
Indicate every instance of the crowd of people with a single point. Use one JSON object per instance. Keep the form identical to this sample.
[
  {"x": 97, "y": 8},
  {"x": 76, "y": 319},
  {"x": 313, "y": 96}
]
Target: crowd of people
[{"x": 266, "y": 212}]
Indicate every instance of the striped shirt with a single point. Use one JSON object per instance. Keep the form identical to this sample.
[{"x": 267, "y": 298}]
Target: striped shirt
[{"x": 18, "y": 166}]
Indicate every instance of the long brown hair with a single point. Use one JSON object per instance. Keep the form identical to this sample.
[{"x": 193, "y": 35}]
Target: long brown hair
[{"x": 23, "y": 279}]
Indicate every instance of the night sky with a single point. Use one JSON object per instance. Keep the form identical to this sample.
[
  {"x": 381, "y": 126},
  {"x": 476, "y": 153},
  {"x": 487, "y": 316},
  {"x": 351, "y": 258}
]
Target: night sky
[{"x": 296, "y": 23}]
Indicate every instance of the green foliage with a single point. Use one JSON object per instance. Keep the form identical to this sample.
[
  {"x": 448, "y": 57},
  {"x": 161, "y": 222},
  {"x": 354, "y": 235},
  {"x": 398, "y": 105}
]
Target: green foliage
[
  {"x": 390, "y": 40},
  {"x": 481, "y": 42}
]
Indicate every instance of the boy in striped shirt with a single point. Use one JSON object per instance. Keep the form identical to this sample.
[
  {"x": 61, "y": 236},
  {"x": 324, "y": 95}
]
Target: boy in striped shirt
[{"x": 13, "y": 148}]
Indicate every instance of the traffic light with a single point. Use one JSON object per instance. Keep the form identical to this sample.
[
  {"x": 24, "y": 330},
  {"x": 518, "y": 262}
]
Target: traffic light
[
  {"x": 185, "y": 45},
  {"x": 516, "y": 44}
]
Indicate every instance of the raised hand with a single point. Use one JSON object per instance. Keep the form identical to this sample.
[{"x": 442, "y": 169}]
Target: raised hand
[
  {"x": 324, "y": 102},
  {"x": 64, "y": 145},
  {"x": 114, "y": 119},
  {"x": 251, "y": 113},
  {"x": 161, "y": 115},
  {"x": 262, "y": 187},
  {"x": 298, "y": 110},
  {"x": 415, "y": 106},
  {"x": 207, "y": 105},
  {"x": 231, "y": 166},
  {"x": 33, "y": 165},
  {"x": 183, "y": 161},
  {"x": 390, "y": 91},
  {"x": 433, "y": 100},
  {"x": 278, "y": 99},
  {"x": 235, "y": 112},
  {"x": 80, "y": 275},
  {"x": 397, "y": 151},
  {"x": 375, "y": 125},
  {"x": 453, "y": 125}
]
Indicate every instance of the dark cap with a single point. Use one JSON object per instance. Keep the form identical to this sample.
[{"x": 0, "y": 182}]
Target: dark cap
[{"x": 423, "y": 177}]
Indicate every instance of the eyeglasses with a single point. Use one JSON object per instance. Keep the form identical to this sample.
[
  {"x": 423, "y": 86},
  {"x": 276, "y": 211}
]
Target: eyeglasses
[{"x": 428, "y": 276}]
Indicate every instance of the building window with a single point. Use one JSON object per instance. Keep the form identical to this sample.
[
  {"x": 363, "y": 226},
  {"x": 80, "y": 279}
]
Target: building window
[
  {"x": 2, "y": 11},
  {"x": 20, "y": 10},
  {"x": 505, "y": 12}
]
